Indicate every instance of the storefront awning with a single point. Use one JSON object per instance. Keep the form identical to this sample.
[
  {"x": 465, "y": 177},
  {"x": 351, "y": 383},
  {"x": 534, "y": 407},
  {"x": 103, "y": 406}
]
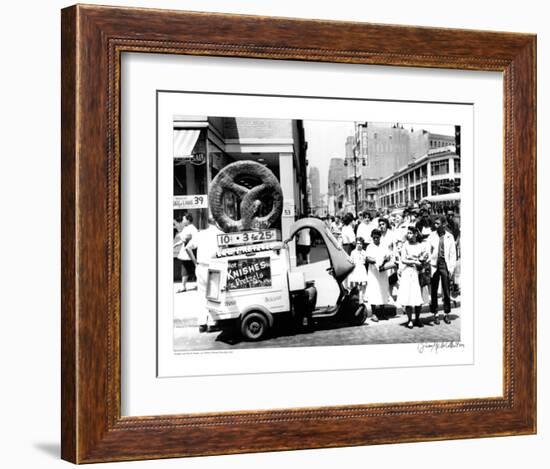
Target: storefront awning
[{"x": 184, "y": 142}]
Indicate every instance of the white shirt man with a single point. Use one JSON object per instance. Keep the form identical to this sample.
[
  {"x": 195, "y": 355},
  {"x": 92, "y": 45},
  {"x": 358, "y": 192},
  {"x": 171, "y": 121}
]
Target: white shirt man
[
  {"x": 336, "y": 228},
  {"x": 303, "y": 245},
  {"x": 387, "y": 237},
  {"x": 364, "y": 230},
  {"x": 304, "y": 237},
  {"x": 186, "y": 234},
  {"x": 348, "y": 235},
  {"x": 206, "y": 244},
  {"x": 442, "y": 249},
  {"x": 449, "y": 250}
]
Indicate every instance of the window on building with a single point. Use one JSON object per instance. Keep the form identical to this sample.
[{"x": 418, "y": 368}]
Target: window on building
[
  {"x": 424, "y": 171},
  {"x": 457, "y": 185},
  {"x": 440, "y": 167},
  {"x": 443, "y": 186},
  {"x": 424, "y": 189},
  {"x": 457, "y": 165}
]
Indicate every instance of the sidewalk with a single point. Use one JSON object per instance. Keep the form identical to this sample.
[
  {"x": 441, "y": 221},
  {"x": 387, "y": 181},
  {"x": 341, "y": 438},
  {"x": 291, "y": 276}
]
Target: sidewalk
[{"x": 186, "y": 305}]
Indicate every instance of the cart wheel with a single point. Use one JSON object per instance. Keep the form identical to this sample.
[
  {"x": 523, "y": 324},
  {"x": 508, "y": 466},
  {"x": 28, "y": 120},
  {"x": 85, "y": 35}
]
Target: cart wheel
[
  {"x": 254, "y": 326},
  {"x": 359, "y": 316}
]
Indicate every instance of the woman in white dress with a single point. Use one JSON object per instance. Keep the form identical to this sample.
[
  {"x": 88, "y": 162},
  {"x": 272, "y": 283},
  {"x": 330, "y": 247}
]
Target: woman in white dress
[
  {"x": 378, "y": 290},
  {"x": 413, "y": 256},
  {"x": 358, "y": 276}
]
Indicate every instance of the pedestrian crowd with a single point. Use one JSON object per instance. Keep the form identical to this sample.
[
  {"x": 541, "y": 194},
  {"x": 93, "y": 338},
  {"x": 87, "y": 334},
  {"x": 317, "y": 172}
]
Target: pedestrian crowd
[
  {"x": 406, "y": 258},
  {"x": 402, "y": 259}
]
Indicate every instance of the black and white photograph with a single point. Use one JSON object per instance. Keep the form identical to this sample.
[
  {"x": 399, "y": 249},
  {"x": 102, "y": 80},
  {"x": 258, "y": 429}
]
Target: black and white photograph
[{"x": 306, "y": 233}]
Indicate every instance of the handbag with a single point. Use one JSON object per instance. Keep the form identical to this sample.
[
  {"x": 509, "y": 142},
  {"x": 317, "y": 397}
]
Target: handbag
[{"x": 424, "y": 275}]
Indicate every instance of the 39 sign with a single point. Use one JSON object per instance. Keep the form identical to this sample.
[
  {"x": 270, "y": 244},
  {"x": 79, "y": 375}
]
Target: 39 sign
[{"x": 190, "y": 201}]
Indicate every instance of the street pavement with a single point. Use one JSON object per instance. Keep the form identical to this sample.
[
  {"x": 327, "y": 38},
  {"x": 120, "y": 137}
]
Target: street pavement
[{"x": 324, "y": 333}]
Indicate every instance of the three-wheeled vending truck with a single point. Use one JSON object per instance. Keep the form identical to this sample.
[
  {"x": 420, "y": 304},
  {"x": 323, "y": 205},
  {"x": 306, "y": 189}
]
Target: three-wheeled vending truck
[{"x": 252, "y": 286}]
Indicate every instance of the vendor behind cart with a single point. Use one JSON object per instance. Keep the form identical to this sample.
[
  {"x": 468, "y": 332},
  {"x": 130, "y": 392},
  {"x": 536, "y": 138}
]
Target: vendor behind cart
[{"x": 205, "y": 242}]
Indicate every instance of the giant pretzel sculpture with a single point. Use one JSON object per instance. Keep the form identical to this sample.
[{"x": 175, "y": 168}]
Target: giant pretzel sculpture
[{"x": 250, "y": 199}]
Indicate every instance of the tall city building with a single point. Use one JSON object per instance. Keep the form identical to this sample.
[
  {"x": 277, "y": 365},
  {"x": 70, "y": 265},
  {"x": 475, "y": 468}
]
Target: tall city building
[
  {"x": 336, "y": 176},
  {"x": 315, "y": 181},
  {"x": 376, "y": 152},
  {"x": 388, "y": 148}
]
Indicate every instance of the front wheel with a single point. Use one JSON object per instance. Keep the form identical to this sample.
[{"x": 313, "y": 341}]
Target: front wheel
[
  {"x": 254, "y": 326},
  {"x": 359, "y": 316}
]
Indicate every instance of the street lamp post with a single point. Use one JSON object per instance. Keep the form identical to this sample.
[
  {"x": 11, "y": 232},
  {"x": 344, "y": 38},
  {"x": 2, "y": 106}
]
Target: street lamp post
[
  {"x": 334, "y": 186},
  {"x": 355, "y": 159}
]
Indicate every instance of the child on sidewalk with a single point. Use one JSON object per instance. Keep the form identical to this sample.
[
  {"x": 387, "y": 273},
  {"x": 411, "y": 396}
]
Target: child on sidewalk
[{"x": 358, "y": 277}]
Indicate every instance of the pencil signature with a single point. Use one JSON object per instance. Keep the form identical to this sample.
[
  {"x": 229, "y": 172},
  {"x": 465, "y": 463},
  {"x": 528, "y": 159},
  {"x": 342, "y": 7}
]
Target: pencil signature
[{"x": 435, "y": 347}]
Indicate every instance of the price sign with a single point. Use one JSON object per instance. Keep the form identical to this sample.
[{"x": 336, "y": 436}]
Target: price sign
[
  {"x": 182, "y": 202},
  {"x": 247, "y": 237}
]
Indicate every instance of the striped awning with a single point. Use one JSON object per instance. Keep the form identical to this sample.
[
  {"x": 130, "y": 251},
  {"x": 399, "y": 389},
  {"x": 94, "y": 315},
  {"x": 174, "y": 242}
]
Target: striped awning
[{"x": 184, "y": 142}]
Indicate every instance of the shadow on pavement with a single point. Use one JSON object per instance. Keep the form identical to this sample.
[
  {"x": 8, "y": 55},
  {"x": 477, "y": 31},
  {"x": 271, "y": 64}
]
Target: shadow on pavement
[
  {"x": 429, "y": 321},
  {"x": 284, "y": 330},
  {"x": 287, "y": 329}
]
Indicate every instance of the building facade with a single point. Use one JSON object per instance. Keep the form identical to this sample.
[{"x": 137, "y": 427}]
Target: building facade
[
  {"x": 437, "y": 172},
  {"x": 205, "y": 145},
  {"x": 376, "y": 152}
]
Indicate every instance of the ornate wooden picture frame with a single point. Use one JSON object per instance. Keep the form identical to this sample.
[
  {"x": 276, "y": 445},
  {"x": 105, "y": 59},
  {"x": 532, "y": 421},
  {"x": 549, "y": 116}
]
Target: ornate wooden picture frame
[{"x": 93, "y": 39}]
